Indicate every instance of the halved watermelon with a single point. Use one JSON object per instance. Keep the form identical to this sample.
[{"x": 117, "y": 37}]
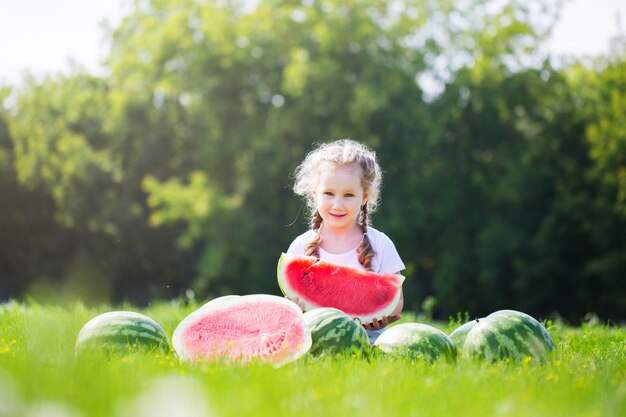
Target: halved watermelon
[
  {"x": 243, "y": 328},
  {"x": 359, "y": 294}
]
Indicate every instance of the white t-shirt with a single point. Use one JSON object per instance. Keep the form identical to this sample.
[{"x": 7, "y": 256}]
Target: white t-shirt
[{"x": 386, "y": 259}]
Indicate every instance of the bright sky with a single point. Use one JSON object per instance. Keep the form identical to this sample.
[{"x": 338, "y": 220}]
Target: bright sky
[{"x": 42, "y": 36}]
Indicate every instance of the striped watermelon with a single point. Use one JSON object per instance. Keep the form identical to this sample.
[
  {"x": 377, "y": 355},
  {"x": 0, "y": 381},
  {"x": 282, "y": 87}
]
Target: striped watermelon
[
  {"x": 317, "y": 283},
  {"x": 460, "y": 333},
  {"x": 243, "y": 328},
  {"x": 509, "y": 334},
  {"x": 416, "y": 340},
  {"x": 333, "y": 331},
  {"x": 122, "y": 331}
]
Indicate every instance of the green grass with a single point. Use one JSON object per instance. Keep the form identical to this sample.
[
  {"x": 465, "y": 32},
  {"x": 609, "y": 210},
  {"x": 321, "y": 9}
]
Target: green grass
[{"x": 40, "y": 376}]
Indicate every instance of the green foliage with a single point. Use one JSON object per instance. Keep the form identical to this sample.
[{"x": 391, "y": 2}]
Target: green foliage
[
  {"x": 60, "y": 143},
  {"x": 194, "y": 204},
  {"x": 600, "y": 102},
  {"x": 495, "y": 199},
  {"x": 33, "y": 244},
  {"x": 64, "y": 155},
  {"x": 506, "y": 189},
  {"x": 607, "y": 132}
]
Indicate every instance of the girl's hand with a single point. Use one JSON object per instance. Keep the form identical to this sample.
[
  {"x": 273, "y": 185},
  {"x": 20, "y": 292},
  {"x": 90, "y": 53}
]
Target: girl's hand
[
  {"x": 383, "y": 322},
  {"x": 297, "y": 301}
]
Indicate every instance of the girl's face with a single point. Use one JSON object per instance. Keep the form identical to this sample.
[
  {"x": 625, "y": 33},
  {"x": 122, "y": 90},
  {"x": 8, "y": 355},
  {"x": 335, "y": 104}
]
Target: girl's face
[{"x": 339, "y": 196}]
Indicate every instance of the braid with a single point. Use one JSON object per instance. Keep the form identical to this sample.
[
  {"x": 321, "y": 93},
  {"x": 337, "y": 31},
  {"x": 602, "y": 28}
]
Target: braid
[
  {"x": 365, "y": 250},
  {"x": 313, "y": 245},
  {"x": 340, "y": 153}
]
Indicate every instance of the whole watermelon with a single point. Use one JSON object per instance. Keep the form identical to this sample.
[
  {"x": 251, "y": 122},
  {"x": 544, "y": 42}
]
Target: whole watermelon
[
  {"x": 416, "y": 340},
  {"x": 334, "y": 332},
  {"x": 508, "y": 335},
  {"x": 122, "y": 332},
  {"x": 460, "y": 333}
]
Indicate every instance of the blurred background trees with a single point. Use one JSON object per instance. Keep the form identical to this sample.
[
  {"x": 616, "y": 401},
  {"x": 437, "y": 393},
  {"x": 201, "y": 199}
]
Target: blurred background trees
[{"x": 505, "y": 177}]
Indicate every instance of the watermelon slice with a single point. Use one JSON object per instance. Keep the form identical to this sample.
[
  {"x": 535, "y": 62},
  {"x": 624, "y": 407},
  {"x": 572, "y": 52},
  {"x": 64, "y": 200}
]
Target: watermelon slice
[
  {"x": 359, "y": 294},
  {"x": 243, "y": 328}
]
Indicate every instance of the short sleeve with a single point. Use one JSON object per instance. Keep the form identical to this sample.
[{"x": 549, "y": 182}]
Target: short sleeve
[
  {"x": 387, "y": 259},
  {"x": 298, "y": 246}
]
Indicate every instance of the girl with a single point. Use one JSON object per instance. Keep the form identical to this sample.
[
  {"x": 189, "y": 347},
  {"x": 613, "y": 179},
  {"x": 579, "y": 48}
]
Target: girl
[{"x": 340, "y": 182}]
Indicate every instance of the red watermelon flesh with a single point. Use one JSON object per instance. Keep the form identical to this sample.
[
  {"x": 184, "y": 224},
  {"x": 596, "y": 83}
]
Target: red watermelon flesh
[
  {"x": 317, "y": 283},
  {"x": 252, "y": 327}
]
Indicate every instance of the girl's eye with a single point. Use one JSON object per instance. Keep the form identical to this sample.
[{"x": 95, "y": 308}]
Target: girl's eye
[
  {"x": 349, "y": 195},
  {"x": 328, "y": 193}
]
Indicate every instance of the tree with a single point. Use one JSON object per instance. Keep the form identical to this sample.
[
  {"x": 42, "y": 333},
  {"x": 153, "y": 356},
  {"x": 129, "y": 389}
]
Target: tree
[
  {"x": 173, "y": 172},
  {"x": 32, "y": 239},
  {"x": 601, "y": 209}
]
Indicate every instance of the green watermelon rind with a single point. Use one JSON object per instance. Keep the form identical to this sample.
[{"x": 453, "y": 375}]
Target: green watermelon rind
[
  {"x": 223, "y": 303},
  {"x": 334, "y": 332},
  {"x": 282, "y": 282},
  {"x": 459, "y": 334},
  {"x": 509, "y": 335},
  {"x": 122, "y": 331},
  {"x": 309, "y": 305},
  {"x": 416, "y": 341}
]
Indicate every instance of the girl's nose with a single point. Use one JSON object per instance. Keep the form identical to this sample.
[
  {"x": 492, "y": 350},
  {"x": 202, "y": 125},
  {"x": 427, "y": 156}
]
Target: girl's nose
[{"x": 337, "y": 202}]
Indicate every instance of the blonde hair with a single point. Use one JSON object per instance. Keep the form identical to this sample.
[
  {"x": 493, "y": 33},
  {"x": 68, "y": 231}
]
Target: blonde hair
[{"x": 340, "y": 153}]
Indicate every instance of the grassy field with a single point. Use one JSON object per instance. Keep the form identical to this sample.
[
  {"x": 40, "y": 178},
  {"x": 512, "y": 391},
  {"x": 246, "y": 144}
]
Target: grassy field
[{"x": 40, "y": 376}]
